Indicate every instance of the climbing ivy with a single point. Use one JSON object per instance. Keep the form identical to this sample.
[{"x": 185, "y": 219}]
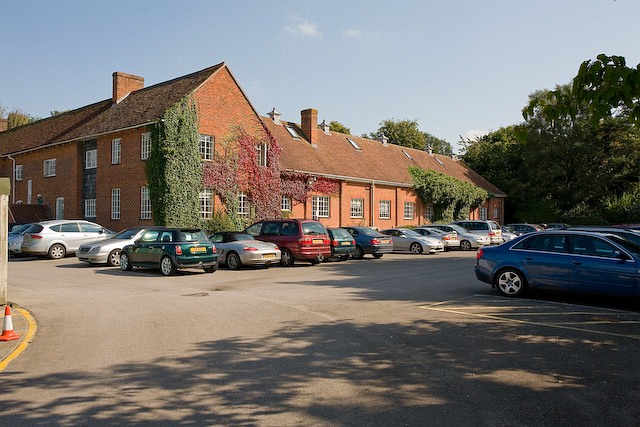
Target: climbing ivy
[
  {"x": 451, "y": 198},
  {"x": 174, "y": 168},
  {"x": 236, "y": 169}
]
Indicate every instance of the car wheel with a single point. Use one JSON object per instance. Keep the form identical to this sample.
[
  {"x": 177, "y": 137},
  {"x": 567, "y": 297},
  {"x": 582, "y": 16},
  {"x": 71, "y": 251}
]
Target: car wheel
[
  {"x": 358, "y": 253},
  {"x": 511, "y": 283},
  {"x": 113, "y": 258},
  {"x": 286, "y": 258},
  {"x": 125, "y": 262},
  {"x": 233, "y": 261},
  {"x": 166, "y": 266},
  {"x": 210, "y": 269},
  {"x": 57, "y": 251},
  {"x": 376, "y": 256},
  {"x": 465, "y": 245},
  {"x": 416, "y": 248}
]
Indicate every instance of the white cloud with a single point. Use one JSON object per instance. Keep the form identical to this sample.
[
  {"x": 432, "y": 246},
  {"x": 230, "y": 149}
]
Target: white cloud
[
  {"x": 303, "y": 27},
  {"x": 352, "y": 33},
  {"x": 473, "y": 134}
]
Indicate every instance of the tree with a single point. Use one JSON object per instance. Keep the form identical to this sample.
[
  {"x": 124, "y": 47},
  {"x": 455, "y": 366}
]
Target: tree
[
  {"x": 438, "y": 145},
  {"x": 606, "y": 87},
  {"x": 58, "y": 112},
  {"x": 402, "y": 132},
  {"x": 19, "y": 118},
  {"x": 339, "y": 127}
]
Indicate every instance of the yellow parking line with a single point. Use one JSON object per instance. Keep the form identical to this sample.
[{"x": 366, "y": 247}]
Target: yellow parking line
[
  {"x": 526, "y": 322},
  {"x": 31, "y": 331}
]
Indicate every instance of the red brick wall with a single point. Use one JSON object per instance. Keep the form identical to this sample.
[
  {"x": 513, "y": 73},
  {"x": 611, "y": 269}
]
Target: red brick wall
[{"x": 66, "y": 183}]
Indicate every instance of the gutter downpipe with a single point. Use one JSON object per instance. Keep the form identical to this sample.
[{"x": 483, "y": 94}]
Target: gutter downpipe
[
  {"x": 13, "y": 179},
  {"x": 372, "y": 203}
]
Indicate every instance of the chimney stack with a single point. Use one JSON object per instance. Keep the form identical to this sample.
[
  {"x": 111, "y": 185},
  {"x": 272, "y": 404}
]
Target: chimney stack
[
  {"x": 309, "y": 124},
  {"x": 124, "y": 84},
  {"x": 4, "y": 125}
]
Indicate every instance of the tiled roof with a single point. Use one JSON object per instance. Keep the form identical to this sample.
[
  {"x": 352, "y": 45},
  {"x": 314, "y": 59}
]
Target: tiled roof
[
  {"x": 140, "y": 107},
  {"x": 335, "y": 156}
]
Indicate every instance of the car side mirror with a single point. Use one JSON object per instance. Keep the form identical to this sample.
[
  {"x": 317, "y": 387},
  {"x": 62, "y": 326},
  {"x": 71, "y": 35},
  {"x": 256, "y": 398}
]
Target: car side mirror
[{"x": 621, "y": 256}]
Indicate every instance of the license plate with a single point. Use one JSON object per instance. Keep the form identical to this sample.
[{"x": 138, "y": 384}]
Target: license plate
[
  {"x": 269, "y": 256},
  {"x": 318, "y": 241},
  {"x": 345, "y": 243},
  {"x": 198, "y": 249},
  {"x": 385, "y": 241}
]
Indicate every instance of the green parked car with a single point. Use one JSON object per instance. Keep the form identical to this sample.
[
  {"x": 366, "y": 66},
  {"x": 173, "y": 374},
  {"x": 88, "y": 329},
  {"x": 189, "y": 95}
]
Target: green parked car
[{"x": 170, "y": 249}]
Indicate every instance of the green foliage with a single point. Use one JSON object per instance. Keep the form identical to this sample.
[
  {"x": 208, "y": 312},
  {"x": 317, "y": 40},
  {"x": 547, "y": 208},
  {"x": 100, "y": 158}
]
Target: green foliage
[
  {"x": 339, "y": 127},
  {"x": 58, "y": 112},
  {"x": 221, "y": 221},
  {"x": 19, "y": 118},
  {"x": 451, "y": 198},
  {"x": 624, "y": 209},
  {"x": 603, "y": 88},
  {"x": 407, "y": 134},
  {"x": 174, "y": 168}
]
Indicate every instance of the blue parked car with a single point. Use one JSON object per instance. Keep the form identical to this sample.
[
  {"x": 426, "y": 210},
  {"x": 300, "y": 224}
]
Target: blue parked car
[
  {"x": 571, "y": 261},
  {"x": 369, "y": 241}
]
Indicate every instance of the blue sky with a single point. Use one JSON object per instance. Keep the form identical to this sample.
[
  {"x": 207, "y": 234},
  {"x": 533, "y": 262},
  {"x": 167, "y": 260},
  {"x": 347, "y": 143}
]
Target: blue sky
[{"x": 459, "y": 67}]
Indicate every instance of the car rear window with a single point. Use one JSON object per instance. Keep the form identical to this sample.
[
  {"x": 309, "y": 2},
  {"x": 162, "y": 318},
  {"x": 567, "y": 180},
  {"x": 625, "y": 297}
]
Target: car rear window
[
  {"x": 313, "y": 228},
  {"x": 193, "y": 236},
  {"x": 340, "y": 233},
  {"x": 35, "y": 228}
]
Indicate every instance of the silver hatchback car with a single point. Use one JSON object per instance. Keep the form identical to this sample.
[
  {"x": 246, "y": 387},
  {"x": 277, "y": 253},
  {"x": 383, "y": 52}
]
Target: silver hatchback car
[
  {"x": 58, "y": 238},
  {"x": 108, "y": 250}
]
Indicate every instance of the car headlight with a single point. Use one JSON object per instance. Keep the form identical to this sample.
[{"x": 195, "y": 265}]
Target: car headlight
[{"x": 94, "y": 250}]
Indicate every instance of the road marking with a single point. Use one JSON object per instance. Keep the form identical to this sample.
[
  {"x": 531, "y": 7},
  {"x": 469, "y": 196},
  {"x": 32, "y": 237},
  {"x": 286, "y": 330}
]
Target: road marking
[
  {"x": 31, "y": 331},
  {"x": 502, "y": 318}
]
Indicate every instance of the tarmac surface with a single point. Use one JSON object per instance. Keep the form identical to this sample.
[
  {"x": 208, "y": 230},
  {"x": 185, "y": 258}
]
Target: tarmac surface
[{"x": 24, "y": 325}]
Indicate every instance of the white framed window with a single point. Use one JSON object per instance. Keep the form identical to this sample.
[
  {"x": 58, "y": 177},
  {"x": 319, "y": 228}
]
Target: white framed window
[
  {"x": 292, "y": 132},
  {"x": 145, "y": 203},
  {"x": 354, "y": 144},
  {"x": 409, "y": 210},
  {"x": 19, "y": 172},
  {"x": 385, "y": 209},
  {"x": 428, "y": 212},
  {"x": 116, "y": 151},
  {"x": 206, "y": 203},
  {"x": 145, "y": 145},
  {"x": 483, "y": 213},
  {"x": 89, "y": 208},
  {"x": 357, "y": 208},
  {"x": 50, "y": 167},
  {"x": 91, "y": 159},
  {"x": 243, "y": 204},
  {"x": 115, "y": 203},
  {"x": 261, "y": 152},
  {"x": 285, "y": 204},
  {"x": 205, "y": 144},
  {"x": 320, "y": 206},
  {"x": 29, "y": 191},
  {"x": 495, "y": 213}
]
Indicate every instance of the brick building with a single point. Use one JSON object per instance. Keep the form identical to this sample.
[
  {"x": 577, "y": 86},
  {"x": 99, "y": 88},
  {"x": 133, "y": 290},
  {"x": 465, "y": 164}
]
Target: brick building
[{"x": 90, "y": 162}]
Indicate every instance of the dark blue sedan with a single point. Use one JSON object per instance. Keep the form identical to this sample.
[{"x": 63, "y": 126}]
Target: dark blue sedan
[
  {"x": 572, "y": 261},
  {"x": 369, "y": 241}
]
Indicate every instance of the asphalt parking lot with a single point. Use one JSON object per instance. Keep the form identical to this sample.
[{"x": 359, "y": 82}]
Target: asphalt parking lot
[{"x": 404, "y": 340}]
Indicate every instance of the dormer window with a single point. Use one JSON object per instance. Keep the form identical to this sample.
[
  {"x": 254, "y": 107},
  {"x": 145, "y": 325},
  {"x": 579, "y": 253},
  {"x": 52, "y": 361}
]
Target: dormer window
[
  {"x": 354, "y": 144},
  {"x": 292, "y": 132}
]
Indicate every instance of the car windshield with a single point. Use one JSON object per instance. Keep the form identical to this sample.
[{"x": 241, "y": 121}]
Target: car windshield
[
  {"x": 240, "y": 236},
  {"x": 625, "y": 243},
  {"x": 19, "y": 229},
  {"x": 369, "y": 231},
  {"x": 412, "y": 233},
  {"x": 459, "y": 229},
  {"x": 313, "y": 228},
  {"x": 127, "y": 234}
]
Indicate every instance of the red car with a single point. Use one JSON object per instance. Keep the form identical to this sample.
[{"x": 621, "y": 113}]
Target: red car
[{"x": 298, "y": 239}]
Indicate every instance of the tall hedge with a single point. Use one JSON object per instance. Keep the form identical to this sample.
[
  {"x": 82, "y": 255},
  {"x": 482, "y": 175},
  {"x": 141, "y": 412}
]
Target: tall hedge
[{"x": 174, "y": 167}]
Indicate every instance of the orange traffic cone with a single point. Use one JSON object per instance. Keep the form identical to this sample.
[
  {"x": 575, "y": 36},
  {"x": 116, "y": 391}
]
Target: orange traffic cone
[{"x": 7, "y": 327}]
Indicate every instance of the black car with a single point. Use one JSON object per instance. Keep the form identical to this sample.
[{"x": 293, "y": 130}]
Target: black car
[{"x": 170, "y": 249}]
